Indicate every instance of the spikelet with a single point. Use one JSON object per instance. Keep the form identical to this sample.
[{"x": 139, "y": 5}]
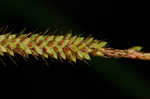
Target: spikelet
[{"x": 63, "y": 47}]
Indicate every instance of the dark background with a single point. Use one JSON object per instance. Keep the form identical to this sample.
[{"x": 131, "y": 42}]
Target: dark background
[{"x": 100, "y": 78}]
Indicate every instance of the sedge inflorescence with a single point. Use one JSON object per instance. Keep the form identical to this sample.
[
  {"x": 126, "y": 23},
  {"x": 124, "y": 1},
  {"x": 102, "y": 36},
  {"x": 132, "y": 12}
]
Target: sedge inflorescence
[{"x": 64, "y": 47}]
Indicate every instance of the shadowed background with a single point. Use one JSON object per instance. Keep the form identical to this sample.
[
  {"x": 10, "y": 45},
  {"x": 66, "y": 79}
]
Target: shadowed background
[{"x": 121, "y": 78}]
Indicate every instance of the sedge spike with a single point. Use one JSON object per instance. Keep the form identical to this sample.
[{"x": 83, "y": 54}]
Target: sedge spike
[{"x": 63, "y": 47}]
